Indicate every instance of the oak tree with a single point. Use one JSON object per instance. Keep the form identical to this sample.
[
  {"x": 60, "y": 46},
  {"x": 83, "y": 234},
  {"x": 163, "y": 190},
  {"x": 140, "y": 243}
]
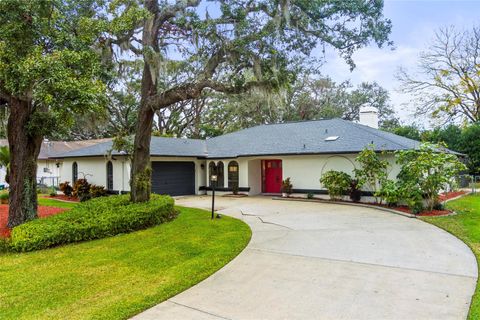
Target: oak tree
[
  {"x": 49, "y": 71},
  {"x": 229, "y": 47}
]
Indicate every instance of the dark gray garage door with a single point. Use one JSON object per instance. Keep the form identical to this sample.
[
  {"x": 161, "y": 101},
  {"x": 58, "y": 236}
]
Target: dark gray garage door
[{"x": 173, "y": 178}]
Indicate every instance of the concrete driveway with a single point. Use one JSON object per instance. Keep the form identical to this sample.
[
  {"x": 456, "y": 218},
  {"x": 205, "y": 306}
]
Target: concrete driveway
[{"x": 325, "y": 261}]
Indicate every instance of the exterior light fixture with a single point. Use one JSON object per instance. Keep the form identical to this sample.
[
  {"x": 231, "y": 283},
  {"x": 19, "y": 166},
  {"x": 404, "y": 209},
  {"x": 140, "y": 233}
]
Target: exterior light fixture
[{"x": 213, "y": 178}]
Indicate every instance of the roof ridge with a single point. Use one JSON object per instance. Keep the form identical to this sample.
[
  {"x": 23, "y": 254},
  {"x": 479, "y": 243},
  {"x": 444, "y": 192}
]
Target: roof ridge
[
  {"x": 295, "y": 121},
  {"x": 179, "y": 138}
]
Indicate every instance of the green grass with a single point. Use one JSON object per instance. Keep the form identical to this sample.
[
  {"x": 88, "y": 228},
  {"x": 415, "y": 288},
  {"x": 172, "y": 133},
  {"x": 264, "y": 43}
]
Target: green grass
[
  {"x": 466, "y": 226},
  {"x": 118, "y": 277},
  {"x": 55, "y": 203}
]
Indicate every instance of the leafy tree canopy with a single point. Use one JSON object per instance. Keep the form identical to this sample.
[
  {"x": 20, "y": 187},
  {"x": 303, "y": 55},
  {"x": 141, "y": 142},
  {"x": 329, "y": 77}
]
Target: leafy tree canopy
[
  {"x": 229, "y": 47},
  {"x": 46, "y": 58},
  {"x": 49, "y": 71},
  {"x": 306, "y": 99}
]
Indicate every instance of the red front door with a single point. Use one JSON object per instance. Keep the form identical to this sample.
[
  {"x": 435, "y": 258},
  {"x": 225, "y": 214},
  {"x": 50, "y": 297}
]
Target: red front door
[{"x": 273, "y": 176}]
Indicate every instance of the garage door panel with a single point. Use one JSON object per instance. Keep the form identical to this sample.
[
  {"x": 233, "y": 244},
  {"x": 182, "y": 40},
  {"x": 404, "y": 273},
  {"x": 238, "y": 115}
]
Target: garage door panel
[{"x": 173, "y": 178}]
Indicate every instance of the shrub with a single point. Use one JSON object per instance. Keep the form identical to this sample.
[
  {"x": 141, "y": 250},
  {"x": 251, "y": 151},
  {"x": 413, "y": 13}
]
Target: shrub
[
  {"x": 94, "y": 219},
  {"x": 4, "y": 245},
  {"x": 373, "y": 170},
  {"x": 354, "y": 191},
  {"x": 309, "y": 195},
  {"x": 97, "y": 191},
  {"x": 411, "y": 194},
  {"x": 43, "y": 189},
  {"x": 4, "y": 195},
  {"x": 66, "y": 188},
  {"x": 81, "y": 189},
  {"x": 53, "y": 192},
  {"x": 439, "y": 206},
  {"x": 336, "y": 182},
  {"x": 389, "y": 192},
  {"x": 287, "y": 186},
  {"x": 428, "y": 169}
]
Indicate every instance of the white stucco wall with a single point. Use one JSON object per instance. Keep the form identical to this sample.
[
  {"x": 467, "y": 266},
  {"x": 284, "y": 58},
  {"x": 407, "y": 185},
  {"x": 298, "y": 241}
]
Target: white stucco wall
[
  {"x": 304, "y": 170},
  {"x": 255, "y": 176},
  {"x": 95, "y": 170}
]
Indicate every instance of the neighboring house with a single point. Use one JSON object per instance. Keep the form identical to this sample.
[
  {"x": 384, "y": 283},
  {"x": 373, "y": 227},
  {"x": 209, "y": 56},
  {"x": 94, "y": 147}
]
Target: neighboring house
[
  {"x": 48, "y": 165},
  {"x": 253, "y": 160}
]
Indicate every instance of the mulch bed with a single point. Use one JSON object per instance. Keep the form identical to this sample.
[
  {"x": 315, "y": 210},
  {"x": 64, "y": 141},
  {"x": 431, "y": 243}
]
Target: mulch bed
[
  {"x": 424, "y": 213},
  {"x": 231, "y": 195},
  {"x": 63, "y": 198},
  {"x": 42, "y": 213},
  {"x": 405, "y": 209},
  {"x": 450, "y": 195}
]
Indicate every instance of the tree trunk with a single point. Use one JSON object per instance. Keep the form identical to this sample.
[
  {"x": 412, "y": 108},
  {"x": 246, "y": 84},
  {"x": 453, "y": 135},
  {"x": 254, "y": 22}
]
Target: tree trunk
[
  {"x": 24, "y": 150},
  {"x": 140, "y": 179}
]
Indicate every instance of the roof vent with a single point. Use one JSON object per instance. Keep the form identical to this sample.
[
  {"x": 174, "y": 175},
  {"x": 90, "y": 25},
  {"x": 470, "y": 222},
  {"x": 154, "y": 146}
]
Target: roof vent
[{"x": 331, "y": 138}]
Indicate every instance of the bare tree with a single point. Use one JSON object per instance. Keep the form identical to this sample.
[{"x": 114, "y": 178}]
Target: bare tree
[{"x": 447, "y": 84}]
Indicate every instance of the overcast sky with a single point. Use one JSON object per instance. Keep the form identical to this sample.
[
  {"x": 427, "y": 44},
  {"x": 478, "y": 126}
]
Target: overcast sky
[{"x": 414, "y": 23}]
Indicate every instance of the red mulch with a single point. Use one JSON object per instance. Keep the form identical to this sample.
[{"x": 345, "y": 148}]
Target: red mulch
[
  {"x": 64, "y": 197},
  {"x": 450, "y": 195},
  {"x": 42, "y": 213},
  {"x": 424, "y": 213},
  {"x": 434, "y": 213},
  {"x": 442, "y": 197}
]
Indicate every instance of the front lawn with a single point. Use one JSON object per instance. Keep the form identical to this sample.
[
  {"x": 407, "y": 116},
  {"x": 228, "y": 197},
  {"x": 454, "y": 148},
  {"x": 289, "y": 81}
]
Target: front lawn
[
  {"x": 49, "y": 202},
  {"x": 118, "y": 277},
  {"x": 466, "y": 226}
]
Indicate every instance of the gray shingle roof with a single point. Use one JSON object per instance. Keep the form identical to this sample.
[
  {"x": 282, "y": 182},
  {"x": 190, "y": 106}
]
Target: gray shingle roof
[
  {"x": 307, "y": 137},
  {"x": 158, "y": 147}
]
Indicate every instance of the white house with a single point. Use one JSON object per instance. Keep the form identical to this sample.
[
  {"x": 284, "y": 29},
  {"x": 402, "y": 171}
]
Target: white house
[
  {"x": 253, "y": 160},
  {"x": 48, "y": 165}
]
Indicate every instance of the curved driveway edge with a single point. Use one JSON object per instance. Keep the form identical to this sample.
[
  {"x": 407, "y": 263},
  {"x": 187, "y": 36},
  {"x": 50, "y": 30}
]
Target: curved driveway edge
[{"x": 325, "y": 261}]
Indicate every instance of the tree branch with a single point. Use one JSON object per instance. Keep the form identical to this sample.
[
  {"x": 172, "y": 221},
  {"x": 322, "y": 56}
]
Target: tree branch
[{"x": 194, "y": 90}]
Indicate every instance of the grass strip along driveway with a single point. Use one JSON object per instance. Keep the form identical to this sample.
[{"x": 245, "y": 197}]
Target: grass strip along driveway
[
  {"x": 118, "y": 277},
  {"x": 466, "y": 226}
]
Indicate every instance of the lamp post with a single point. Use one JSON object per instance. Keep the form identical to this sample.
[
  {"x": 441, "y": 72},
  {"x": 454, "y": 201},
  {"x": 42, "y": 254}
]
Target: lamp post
[{"x": 213, "y": 178}]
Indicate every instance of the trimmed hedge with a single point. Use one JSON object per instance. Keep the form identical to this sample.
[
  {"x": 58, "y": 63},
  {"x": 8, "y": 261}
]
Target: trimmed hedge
[{"x": 94, "y": 219}]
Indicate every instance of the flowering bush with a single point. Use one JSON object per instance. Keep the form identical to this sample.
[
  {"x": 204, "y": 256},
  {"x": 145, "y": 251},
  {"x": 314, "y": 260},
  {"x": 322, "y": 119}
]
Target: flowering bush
[{"x": 336, "y": 182}]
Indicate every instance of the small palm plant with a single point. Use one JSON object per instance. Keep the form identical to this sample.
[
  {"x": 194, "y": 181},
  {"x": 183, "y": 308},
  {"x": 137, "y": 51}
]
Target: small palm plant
[{"x": 5, "y": 161}]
